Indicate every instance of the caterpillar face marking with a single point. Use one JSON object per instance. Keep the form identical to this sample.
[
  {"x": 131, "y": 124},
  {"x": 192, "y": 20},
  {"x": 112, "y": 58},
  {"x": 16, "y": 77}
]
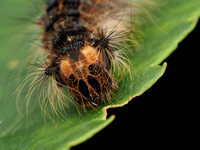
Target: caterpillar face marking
[{"x": 80, "y": 51}]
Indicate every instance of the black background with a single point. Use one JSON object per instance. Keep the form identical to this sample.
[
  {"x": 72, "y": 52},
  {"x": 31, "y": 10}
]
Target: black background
[{"x": 165, "y": 116}]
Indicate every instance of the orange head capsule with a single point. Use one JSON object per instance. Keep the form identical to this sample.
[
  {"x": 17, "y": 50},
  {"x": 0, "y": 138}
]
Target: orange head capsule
[
  {"x": 87, "y": 78},
  {"x": 84, "y": 68}
]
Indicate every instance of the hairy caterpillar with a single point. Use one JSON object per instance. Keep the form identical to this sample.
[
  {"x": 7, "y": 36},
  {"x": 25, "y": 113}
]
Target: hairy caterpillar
[{"x": 84, "y": 43}]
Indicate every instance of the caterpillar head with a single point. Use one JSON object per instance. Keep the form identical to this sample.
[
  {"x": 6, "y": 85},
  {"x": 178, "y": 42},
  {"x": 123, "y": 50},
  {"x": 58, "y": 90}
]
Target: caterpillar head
[
  {"x": 84, "y": 67},
  {"x": 87, "y": 75}
]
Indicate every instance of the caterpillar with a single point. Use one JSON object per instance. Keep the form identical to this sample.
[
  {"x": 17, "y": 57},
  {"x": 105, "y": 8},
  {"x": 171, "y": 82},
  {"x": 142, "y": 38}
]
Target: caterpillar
[{"x": 84, "y": 43}]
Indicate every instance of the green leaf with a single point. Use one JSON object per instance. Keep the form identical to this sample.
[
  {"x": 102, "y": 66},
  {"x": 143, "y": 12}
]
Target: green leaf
[{"x": 170, "y": 25}]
